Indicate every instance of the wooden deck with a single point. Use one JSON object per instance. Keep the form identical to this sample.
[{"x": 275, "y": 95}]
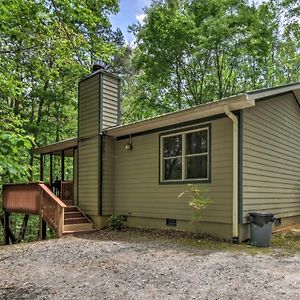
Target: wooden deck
[{"x": 38, "y": 199}]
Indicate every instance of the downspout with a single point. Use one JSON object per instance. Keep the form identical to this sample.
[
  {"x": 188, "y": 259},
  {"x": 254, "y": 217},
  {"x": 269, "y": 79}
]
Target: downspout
[{"x": 235, "y": 224}]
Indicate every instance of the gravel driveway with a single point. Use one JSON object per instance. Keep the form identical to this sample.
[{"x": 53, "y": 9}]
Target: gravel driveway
[{"x": 81, "y": 268}]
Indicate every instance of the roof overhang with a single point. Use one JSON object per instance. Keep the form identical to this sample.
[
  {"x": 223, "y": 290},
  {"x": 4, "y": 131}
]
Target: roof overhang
[
  {"x": 209, "y": 109},
  {"x": 233, "y": 103},
  {"x": 276, "y": 91},
  {"x": 199, "y": 112},
  {"x": 56, "y": 148}
]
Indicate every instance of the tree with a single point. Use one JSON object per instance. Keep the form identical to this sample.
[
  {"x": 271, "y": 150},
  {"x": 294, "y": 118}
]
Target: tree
[
  {"x": 46, "y": 47},
  {"x": 14, "y": 146},
  {"x": 193, "y": 51}
]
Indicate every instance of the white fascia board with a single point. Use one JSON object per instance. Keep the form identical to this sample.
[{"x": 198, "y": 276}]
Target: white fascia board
[
  {"x": 266, "y": 93},
  {"x": 199, "y": 112}
]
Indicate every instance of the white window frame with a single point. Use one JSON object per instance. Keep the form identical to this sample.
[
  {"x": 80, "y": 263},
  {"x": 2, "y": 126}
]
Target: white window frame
[{"x": 183, "y": 155}]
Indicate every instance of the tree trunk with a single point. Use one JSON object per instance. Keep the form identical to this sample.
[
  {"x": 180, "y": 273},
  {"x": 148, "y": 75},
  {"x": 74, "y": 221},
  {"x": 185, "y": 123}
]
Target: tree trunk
[
  {"x": 178, "y": 84},
  {"x": 219, "y": 75},
  {"x": 30, "y": 177},
  {"x": 23, "y": 228},
  {"x": 10, "y": 233},
  {"x": 57, "y": 119}
]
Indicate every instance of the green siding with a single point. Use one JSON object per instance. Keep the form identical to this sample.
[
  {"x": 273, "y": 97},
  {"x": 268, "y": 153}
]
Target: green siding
[
  {"x": 271, "y": 152},
  {"x": 108, "y": 176},
  {"x": 138, "y": 192},
  {"x": 93, "y": 117},
  {"x": 110, "y": 101},
  {"x": 88, "y": 106},
  {"x": 88, "y": 179},
  {"x": 75, "y": 175},
  {"x": 88, "y": 146}
]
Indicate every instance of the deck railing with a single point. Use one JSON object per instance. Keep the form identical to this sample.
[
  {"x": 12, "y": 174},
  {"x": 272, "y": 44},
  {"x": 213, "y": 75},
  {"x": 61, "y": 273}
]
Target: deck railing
[
  {"x": 22, "y": 198},
  {"x": 35, "y": 198}
]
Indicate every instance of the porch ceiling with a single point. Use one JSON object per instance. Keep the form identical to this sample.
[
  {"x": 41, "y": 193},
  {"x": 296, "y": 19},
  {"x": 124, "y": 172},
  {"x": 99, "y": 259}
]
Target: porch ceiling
[{"x": 56, "y": 148}]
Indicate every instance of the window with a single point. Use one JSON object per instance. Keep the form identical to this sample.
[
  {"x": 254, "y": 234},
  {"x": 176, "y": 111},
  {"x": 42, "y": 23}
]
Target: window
[{"x": 185, "y": 155}]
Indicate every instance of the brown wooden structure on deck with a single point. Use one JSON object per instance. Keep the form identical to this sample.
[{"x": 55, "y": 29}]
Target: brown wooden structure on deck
[{"x": 39, "y": 198}]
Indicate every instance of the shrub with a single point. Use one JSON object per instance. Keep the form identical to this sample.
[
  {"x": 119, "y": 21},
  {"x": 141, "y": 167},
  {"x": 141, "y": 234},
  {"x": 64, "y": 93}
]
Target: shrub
[
  {"x": 199, "y": 200},
  {"x": 116, "y": 222}
]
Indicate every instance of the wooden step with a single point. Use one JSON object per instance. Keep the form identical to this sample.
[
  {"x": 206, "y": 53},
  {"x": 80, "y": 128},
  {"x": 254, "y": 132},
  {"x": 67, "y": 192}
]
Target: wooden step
[
  {"x": 79, "y": 231},
  {"x": 77, "y": 227},
  {"x": 73, "y": 214},
  {"x": 76, "y": 221},
  {"x": 68, "y": 202},
  {"x": 71, "y": 208},
  {"x": 79, "y": 220}
]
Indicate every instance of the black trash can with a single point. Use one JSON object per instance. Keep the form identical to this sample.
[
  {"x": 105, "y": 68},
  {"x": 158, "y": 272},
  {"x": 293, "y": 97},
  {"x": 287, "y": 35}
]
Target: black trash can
[{"x": 260, "y": 228}]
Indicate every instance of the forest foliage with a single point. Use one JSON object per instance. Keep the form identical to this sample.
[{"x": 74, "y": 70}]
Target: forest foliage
[
  {"x": 186, "y": 52},
  {"x": 193, "y": 51},
  {"x": 46, "y": 47}
]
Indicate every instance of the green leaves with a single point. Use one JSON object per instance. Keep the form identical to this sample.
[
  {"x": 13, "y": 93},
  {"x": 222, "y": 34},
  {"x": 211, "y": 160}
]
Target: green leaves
[
  {"x": 14, "y": 147},
  {"x": 46, "y": 47},
  {"x": 193, "y": 51},
  {"x": 199, "y": 200}
]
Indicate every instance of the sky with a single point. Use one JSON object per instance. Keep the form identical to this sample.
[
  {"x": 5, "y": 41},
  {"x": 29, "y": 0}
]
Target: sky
[{"x": 130, "y": 12}]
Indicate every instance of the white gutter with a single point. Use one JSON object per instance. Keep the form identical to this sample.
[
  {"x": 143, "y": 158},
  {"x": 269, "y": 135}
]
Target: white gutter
[
  {"x": 235, "y": 123},
  {"x": 170, "y": 119}
]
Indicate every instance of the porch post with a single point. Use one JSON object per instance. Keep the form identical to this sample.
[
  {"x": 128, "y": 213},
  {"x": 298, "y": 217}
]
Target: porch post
[
  {"x": 6, "y": 228},
  {"x": 51, "y": 170},
  {"x": 42, "y": 167},
  {"x": 42, "y": 229},
  {"x": 62, "y": 165},
  {"x": 73, "y": 150}
]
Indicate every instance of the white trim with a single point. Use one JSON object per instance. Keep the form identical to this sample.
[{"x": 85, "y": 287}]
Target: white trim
[
  {"x": 196, "y": 154},
  {"x": 195, "y": 113},
  {"x": 171, "y": 157}
]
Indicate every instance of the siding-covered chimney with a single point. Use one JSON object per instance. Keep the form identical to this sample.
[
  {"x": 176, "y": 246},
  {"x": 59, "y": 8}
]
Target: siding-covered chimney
[
  {"x": 98, "y": 103},
  {"x": 98, "y": 109}
]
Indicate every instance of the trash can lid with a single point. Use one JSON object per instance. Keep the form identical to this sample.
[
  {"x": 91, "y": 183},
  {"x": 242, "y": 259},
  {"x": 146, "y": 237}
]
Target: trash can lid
[{"x": 261, "y": 214}]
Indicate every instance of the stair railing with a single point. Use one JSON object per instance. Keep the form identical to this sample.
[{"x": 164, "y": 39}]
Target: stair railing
[
  {"x": 52, "y": 209},
  {"x": 35, "y": 198}
]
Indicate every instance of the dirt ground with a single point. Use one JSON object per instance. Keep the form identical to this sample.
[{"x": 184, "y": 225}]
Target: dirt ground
[{"x": 105, "y": 266}]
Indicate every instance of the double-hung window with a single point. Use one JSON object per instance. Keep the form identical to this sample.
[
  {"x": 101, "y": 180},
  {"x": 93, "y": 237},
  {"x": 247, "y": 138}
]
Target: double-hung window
[{"x": 185, "y": 156}]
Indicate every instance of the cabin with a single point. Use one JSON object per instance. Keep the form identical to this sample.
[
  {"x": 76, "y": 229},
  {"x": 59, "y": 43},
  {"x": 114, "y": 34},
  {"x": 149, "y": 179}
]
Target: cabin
[{"x": 243, "y": 150}]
